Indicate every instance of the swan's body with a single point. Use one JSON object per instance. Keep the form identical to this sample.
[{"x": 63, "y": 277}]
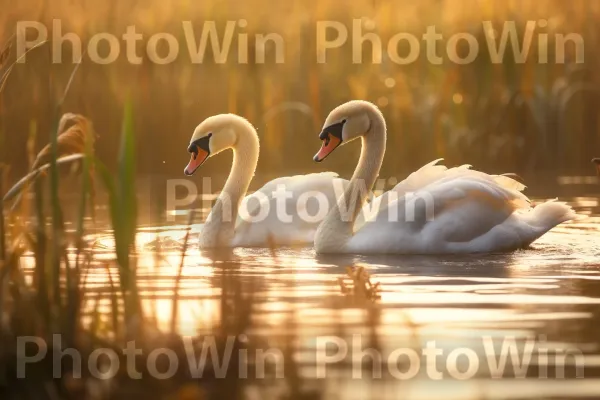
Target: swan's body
[
  {"x": 235, "y": 220},
  {"x": 435, "y": 210},
  {"x": 299, "y": 231}
]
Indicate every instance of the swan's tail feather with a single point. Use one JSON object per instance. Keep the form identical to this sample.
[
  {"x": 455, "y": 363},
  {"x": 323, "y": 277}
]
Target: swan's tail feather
[
  {"x": 547, "y": 215},
  {"x": 542, "y": 218}
]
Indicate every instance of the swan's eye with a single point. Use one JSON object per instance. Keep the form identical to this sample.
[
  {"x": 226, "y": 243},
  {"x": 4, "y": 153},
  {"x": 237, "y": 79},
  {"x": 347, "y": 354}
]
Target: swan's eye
[{"x": 344, "y": 121}]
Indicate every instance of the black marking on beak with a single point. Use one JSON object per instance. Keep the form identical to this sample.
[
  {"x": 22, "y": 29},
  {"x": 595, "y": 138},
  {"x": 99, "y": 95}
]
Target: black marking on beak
[
  {"x": 334, "y": 129},
  {"x": 202, "y": 143}
]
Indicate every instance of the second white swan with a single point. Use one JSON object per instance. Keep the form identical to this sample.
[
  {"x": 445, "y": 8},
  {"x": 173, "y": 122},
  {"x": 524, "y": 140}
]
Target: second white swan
[
  {"x": 260, "y": 219},
  {"x": 435, "y": 210}
]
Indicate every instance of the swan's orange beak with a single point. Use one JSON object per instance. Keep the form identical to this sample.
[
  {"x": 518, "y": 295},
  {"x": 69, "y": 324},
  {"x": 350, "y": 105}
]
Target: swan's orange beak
[
  {"x": 332, "y": 137},
  {"x": 330, "y": 143},
  {"x": 196, "y": 160}
]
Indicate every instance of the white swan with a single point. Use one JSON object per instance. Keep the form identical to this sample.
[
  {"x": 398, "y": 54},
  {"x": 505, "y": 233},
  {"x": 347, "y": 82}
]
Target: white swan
[
  {"x": 434, "y": 211},
  {"x": 263, "y": 222}
]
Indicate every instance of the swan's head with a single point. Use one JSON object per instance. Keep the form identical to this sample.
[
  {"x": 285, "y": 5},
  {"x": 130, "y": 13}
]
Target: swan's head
[
  {"x": 597, "y": 162},
  {"x": 212, "y": 136},
  {"x": 345, "y": 123}
]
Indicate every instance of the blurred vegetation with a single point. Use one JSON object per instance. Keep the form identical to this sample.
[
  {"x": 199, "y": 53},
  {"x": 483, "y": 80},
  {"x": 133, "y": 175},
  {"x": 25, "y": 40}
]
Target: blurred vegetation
[
  {"x": 526, "y": 118},
  {"x": 55, "y": 299}
]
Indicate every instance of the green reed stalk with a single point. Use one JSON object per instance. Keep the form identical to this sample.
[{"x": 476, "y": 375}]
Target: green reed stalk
[{"x": 123, "y": 212}]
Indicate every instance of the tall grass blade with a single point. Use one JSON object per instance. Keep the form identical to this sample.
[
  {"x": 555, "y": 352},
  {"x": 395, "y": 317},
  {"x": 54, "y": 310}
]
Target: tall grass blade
[
  {"x": 70, "y": 82},
  {"x": 5, "y": 75},
  {"x": 123, "y": 212},
  {"x": 18, "y": 187},
  {"x": 127, "y": 188}
]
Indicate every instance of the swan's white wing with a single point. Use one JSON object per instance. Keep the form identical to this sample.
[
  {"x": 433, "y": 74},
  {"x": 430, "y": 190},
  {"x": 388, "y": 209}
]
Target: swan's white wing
[
  {"x": 430, "y": 174},
  {"x": 295, "y": 185},
  {"x": 449, "y": 213},
  {"x": 305, "y": 211},
  {"x": 296, "y": 182},
  {"x": 509, "y": 183},
  {"x": 423, "y": 176}
]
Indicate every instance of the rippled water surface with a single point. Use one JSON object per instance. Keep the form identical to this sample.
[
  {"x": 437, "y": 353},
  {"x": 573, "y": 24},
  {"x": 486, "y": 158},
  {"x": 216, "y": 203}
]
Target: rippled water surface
[{"x": 548, "y": 296}]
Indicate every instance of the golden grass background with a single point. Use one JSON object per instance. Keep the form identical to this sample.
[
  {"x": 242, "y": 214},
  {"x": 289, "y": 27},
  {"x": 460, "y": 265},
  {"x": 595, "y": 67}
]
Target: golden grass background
[{"x": 508, "y": 117}]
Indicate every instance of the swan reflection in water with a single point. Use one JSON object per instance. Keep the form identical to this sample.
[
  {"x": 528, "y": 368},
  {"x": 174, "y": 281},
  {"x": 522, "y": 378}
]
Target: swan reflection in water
[{"x": 550, "y": 289}]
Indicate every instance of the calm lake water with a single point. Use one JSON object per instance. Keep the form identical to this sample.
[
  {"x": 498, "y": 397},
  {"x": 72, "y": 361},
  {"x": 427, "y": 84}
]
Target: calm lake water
[{"x": 546, "y": 299}]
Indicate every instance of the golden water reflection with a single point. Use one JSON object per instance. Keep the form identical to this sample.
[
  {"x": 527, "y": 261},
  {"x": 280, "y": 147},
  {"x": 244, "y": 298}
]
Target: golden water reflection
[{"x": 552, "y": 290}]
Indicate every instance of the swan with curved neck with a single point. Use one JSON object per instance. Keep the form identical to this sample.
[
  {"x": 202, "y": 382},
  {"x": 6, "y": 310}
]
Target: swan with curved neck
[
  {"x": 357, "y": 116},
  {"x": 224, "y": 226},
  {"x": 436, "y": 209}
]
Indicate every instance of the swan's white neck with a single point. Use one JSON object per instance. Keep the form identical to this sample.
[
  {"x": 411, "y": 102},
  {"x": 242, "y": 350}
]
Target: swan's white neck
[
  {"x": 219, "y": 228},
  {"x": 337, "y": 228}
]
